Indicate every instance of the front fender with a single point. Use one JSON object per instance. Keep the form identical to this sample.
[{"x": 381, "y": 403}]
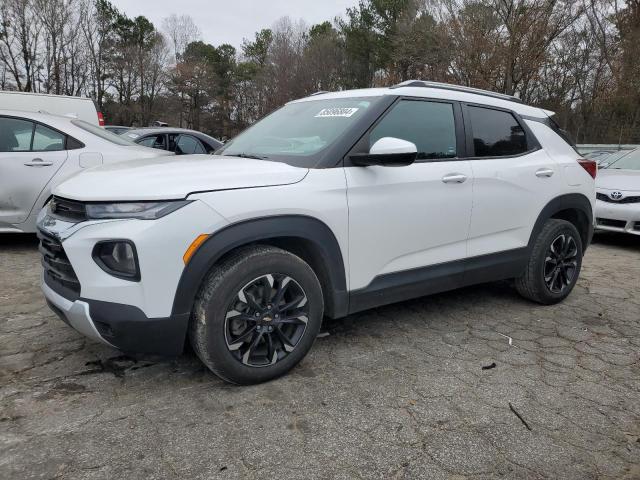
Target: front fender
[{"x": 266, "y": 229}]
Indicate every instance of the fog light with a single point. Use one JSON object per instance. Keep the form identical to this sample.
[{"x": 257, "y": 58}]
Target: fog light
[{"x": 118, "y": 258}]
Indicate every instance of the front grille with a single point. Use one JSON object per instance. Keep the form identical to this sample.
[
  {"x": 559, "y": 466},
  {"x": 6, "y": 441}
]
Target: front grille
[
  {"x": 57, "y": 268},
  {"x": 608, "y": 222},
  {"x": 605, "y": 198},
  {"x": 69, "y": 210}
]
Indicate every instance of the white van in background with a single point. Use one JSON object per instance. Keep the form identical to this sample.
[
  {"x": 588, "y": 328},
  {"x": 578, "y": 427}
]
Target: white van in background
[{"x": 75, "y": 107}]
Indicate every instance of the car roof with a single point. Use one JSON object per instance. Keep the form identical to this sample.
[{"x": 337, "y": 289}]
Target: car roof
[
  {"x": 37, "y": 116},
  {"x": 141, "y": 132},
  {"x": 440, "y": 91},
  {"x": 152, "y": 130}
]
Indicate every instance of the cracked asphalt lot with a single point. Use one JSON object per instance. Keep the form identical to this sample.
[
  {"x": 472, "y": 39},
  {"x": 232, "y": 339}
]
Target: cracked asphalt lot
[{"x": 397, "y": 392}]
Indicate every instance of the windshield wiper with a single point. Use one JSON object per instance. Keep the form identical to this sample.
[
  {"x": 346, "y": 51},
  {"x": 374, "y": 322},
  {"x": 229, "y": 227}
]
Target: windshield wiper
[{"x": 248, "y": 155}]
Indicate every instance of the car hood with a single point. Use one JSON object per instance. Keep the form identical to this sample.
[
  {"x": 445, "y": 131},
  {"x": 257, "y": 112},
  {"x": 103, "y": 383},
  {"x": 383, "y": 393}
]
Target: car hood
[
  {"x": 170, "y": 178},
  {"x": 611, "y": 179}
]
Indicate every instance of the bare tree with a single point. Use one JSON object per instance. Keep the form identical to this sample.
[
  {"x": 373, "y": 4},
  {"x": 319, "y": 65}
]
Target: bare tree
[
  {"x": 181, "y": 31},
  {"x": 19, "y": 37},
  {"x": 56, "y": 18}
]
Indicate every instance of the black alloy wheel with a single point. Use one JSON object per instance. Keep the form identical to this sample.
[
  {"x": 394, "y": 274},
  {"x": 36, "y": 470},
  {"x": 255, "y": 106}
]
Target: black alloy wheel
[
  {"x": 266, "y": 320},
  {"x": 560, "y": 263}
]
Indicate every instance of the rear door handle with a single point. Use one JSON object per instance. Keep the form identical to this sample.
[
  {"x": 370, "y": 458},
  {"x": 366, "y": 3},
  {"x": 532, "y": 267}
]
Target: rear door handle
[
  {"x": 454, "y": 178},
  {"x": 38, "y": 162},
  {"x": 544, "y": 172}
]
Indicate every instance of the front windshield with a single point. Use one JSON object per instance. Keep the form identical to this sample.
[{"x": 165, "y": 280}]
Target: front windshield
[
  {"x": 102, "y": 133},
  {"x": 298, "y": 130},
  {"x": 626, "y": 161}
]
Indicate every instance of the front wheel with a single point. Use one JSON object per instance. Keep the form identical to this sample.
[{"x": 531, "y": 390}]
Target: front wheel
[
  {"x": 256, "y": 315},
  {"x": 554, "y": 264}
]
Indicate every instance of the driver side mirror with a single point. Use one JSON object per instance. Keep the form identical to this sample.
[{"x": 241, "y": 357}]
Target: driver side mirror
[{"x": 387, "y": 152}]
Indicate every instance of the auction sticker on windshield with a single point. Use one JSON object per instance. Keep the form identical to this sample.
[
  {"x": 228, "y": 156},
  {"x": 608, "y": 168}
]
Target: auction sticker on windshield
[{"x": 336, "y": 112}]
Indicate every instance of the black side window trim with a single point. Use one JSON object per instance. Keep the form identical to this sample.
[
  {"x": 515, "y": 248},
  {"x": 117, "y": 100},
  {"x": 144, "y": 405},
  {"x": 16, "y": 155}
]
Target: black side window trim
[
  {"x": 458, "y": 123},
  {"x": 532, "y": 142},
  {"x": 78, "y": 143}
]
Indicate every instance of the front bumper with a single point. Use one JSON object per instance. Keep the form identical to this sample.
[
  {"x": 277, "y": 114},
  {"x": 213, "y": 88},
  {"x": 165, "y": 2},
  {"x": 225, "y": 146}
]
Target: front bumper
[
  {"x": 123, "y": 327},
  {"x": 133, "y": 316},
  {"x": 75, "y": 314},
  {"x": 623, "y": 218}
]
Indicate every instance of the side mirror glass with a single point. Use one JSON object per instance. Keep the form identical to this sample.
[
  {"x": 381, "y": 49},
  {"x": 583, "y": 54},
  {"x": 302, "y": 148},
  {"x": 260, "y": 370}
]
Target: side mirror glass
[{"x": 388, "y": 152}]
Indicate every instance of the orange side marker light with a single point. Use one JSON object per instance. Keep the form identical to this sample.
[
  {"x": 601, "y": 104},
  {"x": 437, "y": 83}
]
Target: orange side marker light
[{"x": 200, "y": 239}]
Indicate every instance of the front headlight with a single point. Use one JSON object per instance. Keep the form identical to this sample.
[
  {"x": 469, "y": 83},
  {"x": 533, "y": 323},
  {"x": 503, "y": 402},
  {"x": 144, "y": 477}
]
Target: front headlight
[{"x": 139, "y": 210}]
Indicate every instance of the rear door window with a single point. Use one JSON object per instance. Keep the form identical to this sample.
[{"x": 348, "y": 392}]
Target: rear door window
[
  {"x": 47, "y": 140},
  {"x": 496, "y": 133},
  {"x": 188, "y": 145},
  {"x": 15, "y": 135}
]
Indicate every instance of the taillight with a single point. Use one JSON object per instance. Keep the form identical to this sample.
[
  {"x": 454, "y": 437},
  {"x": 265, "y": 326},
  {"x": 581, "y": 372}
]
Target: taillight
[
  {"x": 590, "y": 166},
  {"x": 100, "y": 119}
]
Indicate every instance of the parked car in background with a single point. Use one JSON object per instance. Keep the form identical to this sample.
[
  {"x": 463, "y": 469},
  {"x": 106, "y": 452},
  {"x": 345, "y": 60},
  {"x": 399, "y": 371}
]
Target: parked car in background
[
  {"x": 117, "y": 129},
  {"x": 178, "y": 140},
  {"x": 333, "y": 204},
  {"x": 77, "y": 107},
  {"x": 600, "y": 155},
  {"x": 38, "y": 151},
  {"x": 618, "y": 194},
  {"x": 613, "y": 157}
]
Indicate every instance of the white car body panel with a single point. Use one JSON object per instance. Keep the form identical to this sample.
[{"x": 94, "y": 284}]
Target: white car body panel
[
  {"x": 24, "y": 188},
  {"x": 494, "y": 180},
  {"x": 326, "y": 187},
  {"x": 158, "y": 179},
  {"x": 405, "y": 217}
]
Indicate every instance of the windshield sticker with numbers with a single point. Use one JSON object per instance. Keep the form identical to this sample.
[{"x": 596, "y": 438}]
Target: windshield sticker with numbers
[{"x": 336, "y": 112}]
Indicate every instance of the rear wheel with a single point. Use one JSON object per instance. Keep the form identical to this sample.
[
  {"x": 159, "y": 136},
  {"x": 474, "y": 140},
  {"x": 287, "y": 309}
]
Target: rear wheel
[
  {"x": 256, "y": 315},
  {"x": 554, "y": 265}
]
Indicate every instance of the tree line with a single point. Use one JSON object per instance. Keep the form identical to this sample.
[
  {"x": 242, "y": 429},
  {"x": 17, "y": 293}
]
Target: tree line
[{"x": 578, "y": 58}]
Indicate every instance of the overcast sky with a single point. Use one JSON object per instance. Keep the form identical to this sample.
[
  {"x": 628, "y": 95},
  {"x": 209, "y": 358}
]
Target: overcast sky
[{"x": 232, "y": 20}]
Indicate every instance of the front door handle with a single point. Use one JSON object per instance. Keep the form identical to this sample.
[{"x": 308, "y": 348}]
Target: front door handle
[
  {"x": 544, "y": 172},
  {"x": 38, "y": 162},
  {"x": 454, "y": 178}
]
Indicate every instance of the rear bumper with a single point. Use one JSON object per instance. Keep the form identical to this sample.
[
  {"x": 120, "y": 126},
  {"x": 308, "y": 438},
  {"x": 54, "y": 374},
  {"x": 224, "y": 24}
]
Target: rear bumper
[{"x": 119, "y": 326}]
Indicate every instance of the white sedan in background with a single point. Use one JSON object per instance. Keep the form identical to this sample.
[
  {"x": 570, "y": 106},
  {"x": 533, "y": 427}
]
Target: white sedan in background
[
  {"x": 38, "y": 151},
  {"x": 618, "y": 195}
]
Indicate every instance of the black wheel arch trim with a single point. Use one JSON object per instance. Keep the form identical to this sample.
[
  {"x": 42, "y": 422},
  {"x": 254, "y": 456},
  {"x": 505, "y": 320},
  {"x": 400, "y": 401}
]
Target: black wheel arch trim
[
  {"x": 268, "y": 229},
  {"x": 571, "y": 201}
]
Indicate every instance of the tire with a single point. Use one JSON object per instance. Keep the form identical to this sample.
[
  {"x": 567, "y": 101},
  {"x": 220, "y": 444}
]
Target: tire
[
  {"x": 540, "y": 282},
  {"x": 233, "y": 330}
]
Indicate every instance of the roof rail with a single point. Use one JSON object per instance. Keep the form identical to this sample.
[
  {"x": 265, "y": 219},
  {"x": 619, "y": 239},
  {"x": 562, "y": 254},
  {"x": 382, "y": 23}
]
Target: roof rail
[
  {"x": 457, "y": 88},
  {"x": 319, "y": 92}
]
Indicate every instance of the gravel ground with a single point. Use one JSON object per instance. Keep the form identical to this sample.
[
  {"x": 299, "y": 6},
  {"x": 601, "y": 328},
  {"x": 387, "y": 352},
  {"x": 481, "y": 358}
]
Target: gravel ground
[{"x": 475, "y": 383}]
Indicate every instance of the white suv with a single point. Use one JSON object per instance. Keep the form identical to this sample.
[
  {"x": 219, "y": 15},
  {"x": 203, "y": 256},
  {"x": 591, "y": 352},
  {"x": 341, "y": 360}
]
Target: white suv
[{"x": 333, "y": 204}]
